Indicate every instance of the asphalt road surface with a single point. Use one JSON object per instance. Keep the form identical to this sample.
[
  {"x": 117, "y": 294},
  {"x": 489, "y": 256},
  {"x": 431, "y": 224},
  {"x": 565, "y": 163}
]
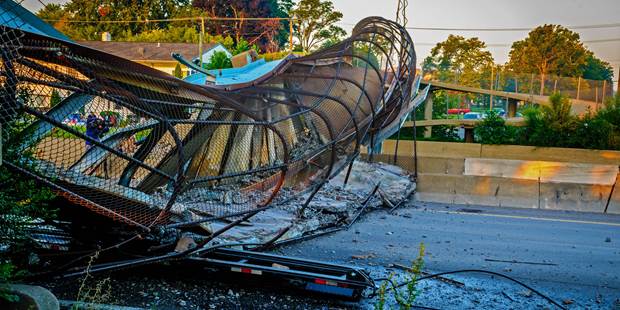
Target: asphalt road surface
[{"x": 573, "y": 257}]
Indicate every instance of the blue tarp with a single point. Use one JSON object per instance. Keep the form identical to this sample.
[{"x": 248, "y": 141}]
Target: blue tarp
[{"x": 247, "y": 73}]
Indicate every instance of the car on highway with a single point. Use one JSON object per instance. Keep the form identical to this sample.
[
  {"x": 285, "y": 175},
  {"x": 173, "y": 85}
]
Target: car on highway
[{"x": 473, "y": 115}]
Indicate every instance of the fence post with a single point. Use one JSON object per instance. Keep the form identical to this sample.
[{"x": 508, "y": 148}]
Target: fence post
[
  {"x": 578, "y": 87},
  {"x": 491, "y": 87},
  {"x": 555, "y": 86},
  {"x": 596, "y": 97},
  {"x": 428, "y": 114},
  {"x": 516, "y": 85},
  {"x": 604, "y": 89}
]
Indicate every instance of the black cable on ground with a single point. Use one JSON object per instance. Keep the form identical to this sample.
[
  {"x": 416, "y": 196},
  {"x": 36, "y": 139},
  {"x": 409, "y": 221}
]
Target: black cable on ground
[{"x": 431, "y": 276}]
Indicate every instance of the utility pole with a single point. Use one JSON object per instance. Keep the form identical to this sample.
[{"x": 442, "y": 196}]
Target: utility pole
[
  {"x": 202, "y": 36},
  {"x": 617, "y": 89},
  {"x": 492, "y": 82},
  {"x": 290, "y": 35}
]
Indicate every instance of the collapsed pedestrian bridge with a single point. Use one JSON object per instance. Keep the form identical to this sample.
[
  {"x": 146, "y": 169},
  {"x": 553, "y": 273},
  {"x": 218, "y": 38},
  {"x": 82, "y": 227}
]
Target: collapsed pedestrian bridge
[{"x": 185, "y": 152}]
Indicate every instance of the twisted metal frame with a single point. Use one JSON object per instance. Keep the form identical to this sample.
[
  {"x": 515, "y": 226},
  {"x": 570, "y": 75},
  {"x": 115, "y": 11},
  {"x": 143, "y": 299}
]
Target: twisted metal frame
[{"x": 208, "y": 152}]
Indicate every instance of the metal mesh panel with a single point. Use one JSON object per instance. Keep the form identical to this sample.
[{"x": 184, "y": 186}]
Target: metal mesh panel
[{"x": 163, "y": 151}]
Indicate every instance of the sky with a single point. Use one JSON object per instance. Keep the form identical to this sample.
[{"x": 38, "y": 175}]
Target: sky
[{"x": 486, "y": 14}]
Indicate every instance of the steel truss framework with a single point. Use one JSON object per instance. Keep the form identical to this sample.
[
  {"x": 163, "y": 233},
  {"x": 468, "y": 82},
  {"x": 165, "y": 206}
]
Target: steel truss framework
[{"x": 180, "y": 154}]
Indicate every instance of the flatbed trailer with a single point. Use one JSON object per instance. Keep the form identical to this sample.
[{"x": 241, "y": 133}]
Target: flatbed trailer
[{"x": 309, "y": 275}]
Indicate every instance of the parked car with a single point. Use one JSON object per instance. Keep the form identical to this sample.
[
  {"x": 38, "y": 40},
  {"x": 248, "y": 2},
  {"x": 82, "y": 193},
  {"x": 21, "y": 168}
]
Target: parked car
[
  {"x": 459, "y": 111},
  {"x": 473, "y": 115}
]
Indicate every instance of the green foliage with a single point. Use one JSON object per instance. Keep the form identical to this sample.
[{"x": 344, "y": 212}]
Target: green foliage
[
  {"x": 116, "y": 10},
  {"x": 493, "y": 130},
  {"x": 54, "y": 98},
  {"x": 140, "y": 135},
  {"x": 548, "y": 49},
  {"x": 274, "y": 56},
  {"x": 382, "y": 293},
  {"x": 553, "y": 125},
  {"x": 22, "y": 201},
  {"x": 317, "y": 26},
  {"x": 458, "y": 57},
  {"x": 272, "y": 32},
  {"x": 406, "y": 297},
  {"x": 596, "y": 69},
  {"x": 367, "y": 57},
  {"x": 178, "y": 73},
  {"x": 444, "y": 133},
  {"x": 93, "y": 290},
  {"x": 184, "y": 34},
  {"x": 61, "y": 133},
  {"x": 7, "y": 273},
  {"x": 243, "y": 46},
  {"x": 316, "y": 23},
  {"x": 219, "y": 60}
]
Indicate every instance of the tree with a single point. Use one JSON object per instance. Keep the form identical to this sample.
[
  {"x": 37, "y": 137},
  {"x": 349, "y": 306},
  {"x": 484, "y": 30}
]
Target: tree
[
  {"x": 254, "y": 31},
  {"x": 52, "y": 11},
  {"x": 219, "y": 60},
  {"x": 182, "y": 34},
  {"x": 596, "y": 69},
  {"x": 548, "y": 49},
  {"x": 459, "y": 57},
  {"x": 316, "y": 21},
  {"x": 89, "y": 10}
]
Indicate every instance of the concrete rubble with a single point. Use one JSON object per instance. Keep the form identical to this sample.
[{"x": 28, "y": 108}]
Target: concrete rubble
[{"x": 333, "y": 206}]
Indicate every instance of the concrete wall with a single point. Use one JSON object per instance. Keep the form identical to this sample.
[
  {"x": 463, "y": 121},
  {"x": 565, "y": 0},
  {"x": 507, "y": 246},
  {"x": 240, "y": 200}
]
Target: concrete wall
[
  {"x": 512, "y": 176},
  {"x": 468, "y": 150}
]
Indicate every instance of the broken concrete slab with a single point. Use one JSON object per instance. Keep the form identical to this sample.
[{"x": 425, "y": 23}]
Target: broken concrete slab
[{"x": 334, "y": 205}]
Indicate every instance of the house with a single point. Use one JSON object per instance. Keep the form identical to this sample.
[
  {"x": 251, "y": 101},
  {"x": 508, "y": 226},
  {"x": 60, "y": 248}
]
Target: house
[{"x": 157, "y": 55}]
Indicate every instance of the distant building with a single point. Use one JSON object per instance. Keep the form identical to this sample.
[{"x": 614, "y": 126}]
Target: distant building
[{"x": 157, "y": 55}]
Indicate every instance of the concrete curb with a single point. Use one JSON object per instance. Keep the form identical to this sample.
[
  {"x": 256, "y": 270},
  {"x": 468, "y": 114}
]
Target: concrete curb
[{"x": 31, "y": 297}]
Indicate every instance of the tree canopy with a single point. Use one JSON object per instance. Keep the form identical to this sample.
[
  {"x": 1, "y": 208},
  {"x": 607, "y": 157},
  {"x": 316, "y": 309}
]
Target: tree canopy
[
  {"x": 87, "y": 10},
  {"x": 549, "y": 49},
  {"x": 596, "y": 69},
  {"x": 457, "y": 55},
  {"x": 262, "y": 32},
  {"x": 316, "y": 23},
  {"x": 79, "y": 20}
]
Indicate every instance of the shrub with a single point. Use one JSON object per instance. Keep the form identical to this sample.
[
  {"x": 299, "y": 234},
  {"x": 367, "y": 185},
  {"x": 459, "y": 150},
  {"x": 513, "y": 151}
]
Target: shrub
[
  {"x": 22, "y": 201},
  {"x": 219, "y": 60},
  {"x": 493, "y": 130}
]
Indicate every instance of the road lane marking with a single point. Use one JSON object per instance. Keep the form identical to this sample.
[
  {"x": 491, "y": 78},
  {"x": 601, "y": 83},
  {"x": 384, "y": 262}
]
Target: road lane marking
[{"x": 523, "y": 217}]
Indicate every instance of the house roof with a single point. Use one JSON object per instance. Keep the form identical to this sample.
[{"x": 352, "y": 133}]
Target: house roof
[{"x": 148, "y": 51}]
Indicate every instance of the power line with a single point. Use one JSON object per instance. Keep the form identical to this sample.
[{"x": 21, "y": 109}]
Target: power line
[
  {"x": 596, "y": 26},
  {"x": 613, "y": 25},
  {"x": 510, "y": 44},
  {"x": 196, "y": 18}
]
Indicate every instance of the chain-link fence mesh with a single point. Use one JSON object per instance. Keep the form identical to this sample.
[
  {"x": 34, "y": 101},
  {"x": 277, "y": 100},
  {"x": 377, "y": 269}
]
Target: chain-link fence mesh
[
  {"x": 147, "y": 149},
  {"x": 532, "y": 84}
]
